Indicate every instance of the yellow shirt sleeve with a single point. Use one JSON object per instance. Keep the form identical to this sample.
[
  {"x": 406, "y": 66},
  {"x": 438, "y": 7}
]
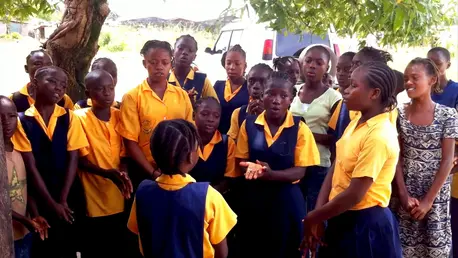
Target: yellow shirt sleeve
[
  {"x": 231, "y": 169},
  {"x": 372, "y": 157},
  {"x": 129, "y": 127},
  {"x": 68, "y": 102},
  {"x": 208, "y": 90},
  {"x": 306, "y": 153},
  {"x": 132, "y": 222},
  {"x": 84, "y": 151},
  {"x": 234, "y": 129},
  {"x": 335, "y": 116},
  {"x": 189, "y": 110},
  {"x": 20, "y": 141},
  {"x": 219, "y": 216},
  {"x": 242, "y": 151},
  {"x": 76, "y": 138}
]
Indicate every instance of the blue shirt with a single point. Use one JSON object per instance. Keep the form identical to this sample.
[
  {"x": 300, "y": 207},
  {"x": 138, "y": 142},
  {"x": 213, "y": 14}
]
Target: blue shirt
[{"x": 449, "y": 97}]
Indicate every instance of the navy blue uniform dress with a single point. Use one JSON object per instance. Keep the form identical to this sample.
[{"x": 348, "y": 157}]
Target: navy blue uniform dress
[
  {"x": 227, "y": 108},
  {"x": 270, "y": 220},
  {"x": 198, "y": 83}
]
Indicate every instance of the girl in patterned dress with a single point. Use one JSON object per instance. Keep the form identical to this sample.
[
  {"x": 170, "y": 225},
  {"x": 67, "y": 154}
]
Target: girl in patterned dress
[{"x": 427, "y": 133}]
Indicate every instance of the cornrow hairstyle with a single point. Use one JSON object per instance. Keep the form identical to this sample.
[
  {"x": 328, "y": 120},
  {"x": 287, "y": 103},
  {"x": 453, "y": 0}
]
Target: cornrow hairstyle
[
  {"x": 206, "y": 99},
  {"x": 151, "y": 44},
  {"x": 280, "y": 62},
  {"x": 442, "y": 51},
  {"x": 431, "y": 70},
  {"x": 264, "y": 67},
  {"x": 33, "y": 52},
  {"x": 349, "y": 55},
  {"x": 321, "y": 48},
  {"x": 399, "y": 81},
  {"x": 188, "y": 37},
  {"x": 376, "y": 55},
  {"x": 379, "y": 76},
  {"x": 223, "y": 59},
  {"x": 171, "y": 144},
  {"x": 101, "y": 61},
  {"x": 42, "y": 71},
  {"x": 239, "y": 49},
  {"x": 283, "y": 78}
]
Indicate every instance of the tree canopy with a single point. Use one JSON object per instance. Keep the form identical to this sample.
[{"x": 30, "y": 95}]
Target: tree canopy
[
  {"x": 405, "y": 22},
  {"x": 23, "y": 9}
]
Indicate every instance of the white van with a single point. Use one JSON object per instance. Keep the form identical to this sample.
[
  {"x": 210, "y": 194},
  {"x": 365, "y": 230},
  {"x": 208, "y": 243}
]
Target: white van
[{"x": 261, "y": 45}]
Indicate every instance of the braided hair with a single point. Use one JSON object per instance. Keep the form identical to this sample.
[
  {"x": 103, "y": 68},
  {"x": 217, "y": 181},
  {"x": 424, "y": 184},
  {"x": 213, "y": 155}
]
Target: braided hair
[
  {"x": 262, "y": 66},
  {"x": 171, "y": 144},
  {"x": 379, "y": 76},
  {"x": 152, "y": 44},
  {"x": 200, "y": 101},
  {"x": 187, "y": 36},
  {"x": 42, "y": 71},
  {"x": 281, "y": 78},
  {"x": 375, "y": 55},
  {"x": 281, "y": 62},
  {"x": 239, "y": 49},
  {"x": 431, "y": 70}
]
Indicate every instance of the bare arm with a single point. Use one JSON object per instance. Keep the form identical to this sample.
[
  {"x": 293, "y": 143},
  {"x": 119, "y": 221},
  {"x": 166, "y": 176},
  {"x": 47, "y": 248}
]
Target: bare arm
[
  {"x": 221, "y": 250},
  {"x": 70, "y": 175},
  {"x": 324, "y": 139},
  {"x": 323, "y": 196},
  {"x": 399, "y": 176},
  {"x": 288, "y": 175}
]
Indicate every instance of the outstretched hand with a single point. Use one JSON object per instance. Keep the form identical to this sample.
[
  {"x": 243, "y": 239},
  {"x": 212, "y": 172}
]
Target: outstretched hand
[{"x": 255, "y": 170}]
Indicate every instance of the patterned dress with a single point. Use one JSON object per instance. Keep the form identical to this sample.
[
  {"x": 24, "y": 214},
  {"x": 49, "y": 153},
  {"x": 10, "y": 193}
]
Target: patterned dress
[{"x": 422, "y": 153}]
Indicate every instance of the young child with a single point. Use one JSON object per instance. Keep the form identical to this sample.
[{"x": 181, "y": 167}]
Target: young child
[
  {"x": 49, "y": 137},
  {"x": 427, "y": 133},
  {"x": 102, "y": 174},
  {"x": 289, "y": 65},
  {"x": 196, "y": 84},
  {"x": 107, "y": 65},
  {"x": 315, "y": 103},
  {"x": 274, "y": 148},
  {"x": 217, "y": 157},
  {"x": 21, "y": 203},
  {"x": 357, "y": 189},
  {"x": 146, "y": 105},
  {"x": 25, "y": 96},
  {"x": 232, "y": 93},
  {"x": 257, "y": 79},
  {"x": 175, "y": 216}
]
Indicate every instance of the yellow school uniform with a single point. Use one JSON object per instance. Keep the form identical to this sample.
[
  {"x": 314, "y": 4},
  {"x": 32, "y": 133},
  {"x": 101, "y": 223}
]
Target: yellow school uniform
[
  {"x": 89, "y": 104},
  {"x": 370, "y": 149},
  {"x": 231, "y": 170},
  {"x": 234, "y": 129},
  {"x": 393, "y": 115},
  {"x": 207, "y": 90},
  {"x": 228, "y": 93},
  {"x": 103, "y": 197},
  {"x": 306, "y": 152},
  {"x": 68, "y": 103},
  {"x": 142, "y": 110},
  {"x": 219, "y": 219},
  {"x": 76, "y": 138}
]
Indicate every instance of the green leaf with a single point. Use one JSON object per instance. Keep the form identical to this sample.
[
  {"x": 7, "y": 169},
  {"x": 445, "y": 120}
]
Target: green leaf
[{"x": 398, "y": 19}]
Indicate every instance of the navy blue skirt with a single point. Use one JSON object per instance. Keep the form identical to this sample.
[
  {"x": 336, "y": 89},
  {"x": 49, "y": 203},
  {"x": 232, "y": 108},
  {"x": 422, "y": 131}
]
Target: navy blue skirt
[{"x": 368, "y": 233}]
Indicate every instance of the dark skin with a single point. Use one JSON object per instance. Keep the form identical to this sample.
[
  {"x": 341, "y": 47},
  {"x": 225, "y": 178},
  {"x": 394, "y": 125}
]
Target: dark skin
[
  {"x": 108, "y": 67},
  {"x": 293, "y": 69},
  {"x": 443, "y": 64},
  {"x": 314, "y": 68},
  {"x": 235, "y": 69},
  {"x": 360, "y": 97},
  {"x": 100, "y": 88},
  {"x": 277, "y": 99},
  {"x": 49, "y": 89},
  {"x": 158, "y": 63},
  {"x": 257, "y": 79},
  {"x": 183, "y": 56},
  {"x": 421, "y": 111},
  {"x": 343, "y": 72},
  {"x": 36, "y": 61}
]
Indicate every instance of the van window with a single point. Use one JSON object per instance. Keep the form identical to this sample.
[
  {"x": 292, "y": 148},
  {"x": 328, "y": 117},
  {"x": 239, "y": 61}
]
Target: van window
[
  {"x": 223, "y": 41},
  {"x": 288, "y": 45},
  {"x": 236, "y": 37}
]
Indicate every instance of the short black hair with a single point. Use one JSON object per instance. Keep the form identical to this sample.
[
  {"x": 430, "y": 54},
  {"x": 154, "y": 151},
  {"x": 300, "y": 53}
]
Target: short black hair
[
  {"x": 239, "y": 49},
  {"x": 431, "y": 70},
  {"x": 399, "y": 81},
  {"x": 151, "y": 44},
  {"x": 223, "y": 59},
  {"x": 95, "y": 75},
  {"x": 349, "y": 54},
  {"x": 378, "y": 75},
  {"x": 206, "y": 99},
  {"x": 322, "y": 49},
  {"x": 281, "y": 77},
  {"x": 171, "y": 144},
  {"x": 376, "y": 55},
  {"x": 42, "y": 71},
  {"x": 101, "y": 61},
  {"x": 262, "y": 66},
  {"x": 188, "y": 37},
  {"x": 280, "y": 62},
  {"x": 442, "y": 51},
  {"x": 33, "y": 52}
]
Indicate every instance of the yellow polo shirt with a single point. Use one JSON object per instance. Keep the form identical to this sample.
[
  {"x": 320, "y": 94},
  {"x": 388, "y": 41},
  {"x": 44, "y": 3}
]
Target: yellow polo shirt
[
  {"x": 68, "y": 103},
  {"x": 231, "y": 170}
]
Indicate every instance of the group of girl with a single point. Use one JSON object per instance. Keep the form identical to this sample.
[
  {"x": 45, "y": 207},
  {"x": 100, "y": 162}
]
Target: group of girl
[{"x": 255, "y": 164}]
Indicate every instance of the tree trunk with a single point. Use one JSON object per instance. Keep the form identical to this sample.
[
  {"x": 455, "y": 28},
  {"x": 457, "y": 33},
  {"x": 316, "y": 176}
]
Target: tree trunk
[
  {"x": 74, "y": 43},
  {"x": 6, "y": 235}
]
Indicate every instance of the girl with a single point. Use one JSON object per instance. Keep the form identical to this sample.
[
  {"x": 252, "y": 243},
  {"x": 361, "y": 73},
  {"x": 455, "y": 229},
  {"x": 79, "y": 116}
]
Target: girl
[
  {"x": 107, "y": 65},
  {"x": 146, "y": 105},
  {"x": 217, "y": 158},
  {"x": 290, "y": 66},
  {"x": 274, "y": 149},
  {"x": 257, "y": 79},
  {"x": 315, "y": 103},
  {"x": 232, "y": 93},
  {"x": 196, "y": 84},
  {"x": 357, "y": 189},
  {"x": 25, "y": 96},
  {"x": 427, "y": 134},
  {"x": 175, "y": 216}
]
